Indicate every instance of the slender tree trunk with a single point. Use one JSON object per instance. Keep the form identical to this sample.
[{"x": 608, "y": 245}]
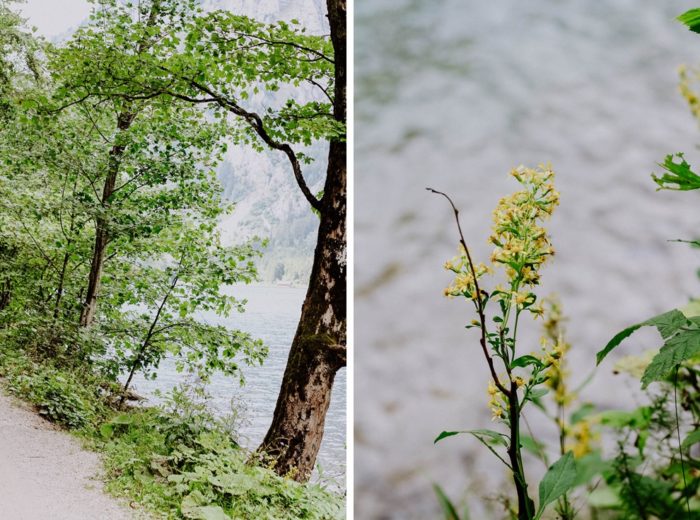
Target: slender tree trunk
[
  {"x": 5, "y": 294},
  {"x": 138, "y": 359},
  {"x": 102, "y": 237},
  {"x": 101, "y": 222},
  {"x": 318, "y": 349}
]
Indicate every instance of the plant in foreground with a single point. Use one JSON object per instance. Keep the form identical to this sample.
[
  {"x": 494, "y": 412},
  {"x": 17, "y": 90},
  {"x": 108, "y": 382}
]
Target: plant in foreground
[{"x": 521, "y": 247}]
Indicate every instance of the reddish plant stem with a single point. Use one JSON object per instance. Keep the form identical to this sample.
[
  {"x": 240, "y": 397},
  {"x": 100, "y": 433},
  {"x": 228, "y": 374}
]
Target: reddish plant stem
[
  {"x": 525, "y": 503},
  {"x": 477, "y": 302}
]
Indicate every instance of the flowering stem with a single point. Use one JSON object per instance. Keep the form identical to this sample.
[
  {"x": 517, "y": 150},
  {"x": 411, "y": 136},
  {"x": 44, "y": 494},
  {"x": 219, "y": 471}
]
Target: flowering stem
[
  {"x": 478, "y": 301},
  {"x": 525, "y": 503}
]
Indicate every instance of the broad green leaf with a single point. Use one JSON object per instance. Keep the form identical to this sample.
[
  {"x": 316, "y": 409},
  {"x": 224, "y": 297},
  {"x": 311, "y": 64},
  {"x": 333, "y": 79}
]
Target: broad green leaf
[
  {"x": 559, "y": 479},
  {"x": 639, "y": 418},
  {"x": 675, "y": 351},
  {"x": 208, "y": 513},
  {"x": 581, "y": 413},
  {"x": 448, "y": 509},
  {"x": 590, "y": 466},
  {"x": 667, "y": 324}
]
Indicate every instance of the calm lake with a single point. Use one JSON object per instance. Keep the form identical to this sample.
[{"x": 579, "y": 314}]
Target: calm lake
[{"x": 271, "y": 314}]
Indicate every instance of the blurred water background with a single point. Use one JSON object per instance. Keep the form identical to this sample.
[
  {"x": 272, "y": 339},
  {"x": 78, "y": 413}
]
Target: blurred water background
[
  {"x": 272, "y": 314},
  {"x": 452, "y": 94}
]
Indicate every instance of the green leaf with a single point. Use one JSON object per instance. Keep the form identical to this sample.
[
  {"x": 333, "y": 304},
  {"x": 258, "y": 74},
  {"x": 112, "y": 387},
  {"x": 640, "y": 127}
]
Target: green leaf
[
  {"x": 526, "y": 360},
  {"x": 559, "y": 479},
  {"x": 590, "y": 466},
  {"x": 537, "y": 393},
  {"x": 667, "y": 324},
  {"x": 444, "y": 435},
  {"x": 490, "y": 437},
  {"x": 534, "y": 446},
  {"x": 678, "y": 176},
  {"x": 691, "y": 439},
  {"x": 208, "y": 513},
  {"x": 584, "y": 411},
  {"x": 106, "y": 430},
  {"x": 493, "y": 436},
  {"x": 122, "y": 419},
  {"x": 638, "y": 419},
  {"x": 676, "y": 350},
  {"x": 448, "y": 509},
  {"x": 691, "y": 19}
]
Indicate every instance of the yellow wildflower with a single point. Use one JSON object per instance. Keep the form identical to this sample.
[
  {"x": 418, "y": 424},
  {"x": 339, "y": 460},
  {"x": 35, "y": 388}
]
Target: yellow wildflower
[{"x": 583, "y": 438}]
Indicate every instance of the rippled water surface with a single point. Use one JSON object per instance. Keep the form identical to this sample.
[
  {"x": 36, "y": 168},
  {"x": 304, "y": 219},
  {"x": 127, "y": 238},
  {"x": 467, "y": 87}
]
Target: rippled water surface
[
  {"x": 272, "y": 314},
  {"x": 452, "y": 94}
]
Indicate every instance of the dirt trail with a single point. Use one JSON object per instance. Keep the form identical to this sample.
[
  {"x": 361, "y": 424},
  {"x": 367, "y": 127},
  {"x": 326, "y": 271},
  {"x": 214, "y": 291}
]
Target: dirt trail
[{"x": 46, "y": 475}]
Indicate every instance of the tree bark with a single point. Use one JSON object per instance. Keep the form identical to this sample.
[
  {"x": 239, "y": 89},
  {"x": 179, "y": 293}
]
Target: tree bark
[
  {"x": 318, "y": 350},
  {"x": 102, "y": 236}
]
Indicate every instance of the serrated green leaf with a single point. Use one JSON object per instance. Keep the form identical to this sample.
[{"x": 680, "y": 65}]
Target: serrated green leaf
[
  {"x": 678, "y": 175},
  {"x": 675, "y": 351},
  {"x": 667, "y": 324}
]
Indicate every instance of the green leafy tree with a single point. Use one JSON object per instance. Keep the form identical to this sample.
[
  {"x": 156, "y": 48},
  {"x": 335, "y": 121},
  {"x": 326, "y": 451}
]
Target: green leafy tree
[{"x": 221, "y": 61}]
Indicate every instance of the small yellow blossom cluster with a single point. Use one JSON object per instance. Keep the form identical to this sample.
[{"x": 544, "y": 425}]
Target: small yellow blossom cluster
[
  {"x": 522, "y": 245},
  {"x": 463, "y": 284},
  {"x": 557, "y": 372},
  {"x": 686, "y": 90},
  {"x": 583, "y": 438},
  {"x": 497, "y": 402}
]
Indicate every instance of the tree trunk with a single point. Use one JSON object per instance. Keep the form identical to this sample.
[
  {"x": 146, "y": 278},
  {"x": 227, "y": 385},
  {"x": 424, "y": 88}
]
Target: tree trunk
[
  {"x": 101, "y": 223},
  {"x": 5, "y": 294},
  {"x": 318, "y": 349}
]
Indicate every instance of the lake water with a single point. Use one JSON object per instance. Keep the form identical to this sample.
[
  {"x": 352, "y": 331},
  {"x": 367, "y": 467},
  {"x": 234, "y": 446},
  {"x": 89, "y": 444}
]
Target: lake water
[
  {"x": 452, "y": 94},
  {"x": 272, "y": 314}
]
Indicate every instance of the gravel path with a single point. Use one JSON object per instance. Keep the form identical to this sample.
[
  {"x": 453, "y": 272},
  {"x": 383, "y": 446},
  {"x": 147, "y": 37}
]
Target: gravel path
[{"x": 46, "y": 475}]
